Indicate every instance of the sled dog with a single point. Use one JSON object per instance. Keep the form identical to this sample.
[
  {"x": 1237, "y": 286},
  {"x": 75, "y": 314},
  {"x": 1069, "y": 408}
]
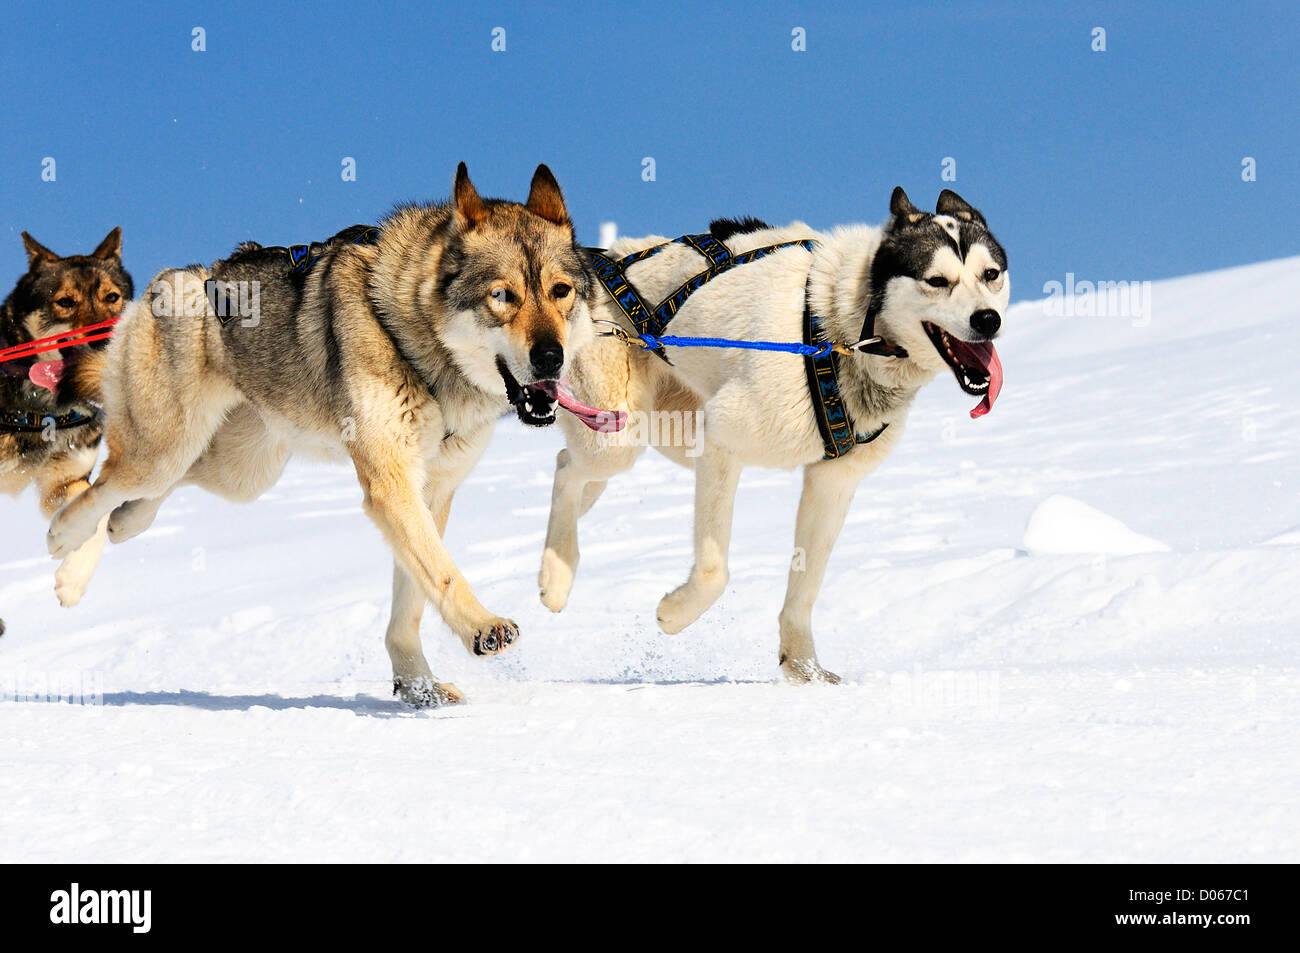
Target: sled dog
[
  {"x": 396, "y": 347},
  {"x": 50, "y": 426},
  {"x": 933, "y": 286}
]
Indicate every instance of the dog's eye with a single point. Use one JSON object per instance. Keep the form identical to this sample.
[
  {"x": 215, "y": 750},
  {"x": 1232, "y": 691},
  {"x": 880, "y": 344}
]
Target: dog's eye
[
  {"x": 503, "y": 295},
  {"x": 937, "y": 281},
  {"x": 991, "y": 274},
  {"x": 112, "y": 297},
  {"x": 561, "y": 291},
  {"x": 65, "y": 302}
]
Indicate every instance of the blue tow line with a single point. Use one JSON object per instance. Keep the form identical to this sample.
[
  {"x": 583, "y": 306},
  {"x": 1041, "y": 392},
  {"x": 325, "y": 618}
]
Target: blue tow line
[{"x": 807, "y": 350}]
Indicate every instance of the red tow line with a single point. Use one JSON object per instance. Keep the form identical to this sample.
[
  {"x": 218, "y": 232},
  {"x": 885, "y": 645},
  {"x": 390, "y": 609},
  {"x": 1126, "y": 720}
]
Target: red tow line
[{"x": 56, "y": 342}]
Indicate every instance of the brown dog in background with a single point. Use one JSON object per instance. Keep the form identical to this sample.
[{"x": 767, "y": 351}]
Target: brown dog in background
[{"x": 50, "y": 426}]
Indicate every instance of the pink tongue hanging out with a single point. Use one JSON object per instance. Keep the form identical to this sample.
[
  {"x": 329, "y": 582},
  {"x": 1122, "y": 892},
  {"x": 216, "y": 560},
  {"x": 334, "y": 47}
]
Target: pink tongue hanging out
[
  {"x": 981, "y": 356},
  {"x": 992, "y": 367},
  {"x": 601, "y": 421},
  {"x": 46, "y": 374}
]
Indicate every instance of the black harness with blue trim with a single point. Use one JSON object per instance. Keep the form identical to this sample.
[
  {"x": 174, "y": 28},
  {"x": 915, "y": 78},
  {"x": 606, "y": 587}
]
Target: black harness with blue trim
[
  {"x": 839, "y": 436},
  {"x": 38, "y": 421},
  {"x": 302, "y": 257},
  {"x": 300, "y": 260}
]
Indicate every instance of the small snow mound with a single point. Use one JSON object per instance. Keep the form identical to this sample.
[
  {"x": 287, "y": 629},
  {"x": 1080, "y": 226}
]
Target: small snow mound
[{"x": 1064, "y": 525}]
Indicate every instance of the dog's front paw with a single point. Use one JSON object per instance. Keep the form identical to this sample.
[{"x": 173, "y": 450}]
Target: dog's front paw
[
  {"x": 423, "y": 692},
  {"x": 802, "y": 671},
  {"x": 492, "y": 637}
]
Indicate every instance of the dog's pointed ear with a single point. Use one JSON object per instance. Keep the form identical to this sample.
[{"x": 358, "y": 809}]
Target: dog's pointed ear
[
  {"x": 468, "y": 203},
  {"x": 36, "y": 252},
  {"x": 110, "y": 247},
  {"x": 545, "y": 198},
  {"x": 950, "y": 203},
  {"x": 901, "y": 207}
]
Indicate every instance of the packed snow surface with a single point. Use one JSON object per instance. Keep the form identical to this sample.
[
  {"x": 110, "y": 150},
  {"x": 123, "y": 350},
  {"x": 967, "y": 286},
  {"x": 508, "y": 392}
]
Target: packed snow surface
[{"x": 1056, "y": 694}]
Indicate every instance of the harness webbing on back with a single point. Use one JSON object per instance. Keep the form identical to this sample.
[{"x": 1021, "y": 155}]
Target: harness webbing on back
[
  {"x": 302, "y": 257},
  {"x": 833, "y": 421},
  {"x": 221, "y": 295},
  {"x": 611, "y": 274},
  {"x": 705, "y": 244}
]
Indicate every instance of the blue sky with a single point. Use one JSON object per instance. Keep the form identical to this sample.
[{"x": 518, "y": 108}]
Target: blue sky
[{"x": 1117, "y": 165}]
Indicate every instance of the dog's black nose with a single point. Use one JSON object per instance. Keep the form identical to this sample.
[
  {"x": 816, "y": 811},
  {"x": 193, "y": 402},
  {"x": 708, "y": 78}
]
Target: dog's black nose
[
  {"x": 547, "y": 358},
  {"x": 986, "y": 321}
]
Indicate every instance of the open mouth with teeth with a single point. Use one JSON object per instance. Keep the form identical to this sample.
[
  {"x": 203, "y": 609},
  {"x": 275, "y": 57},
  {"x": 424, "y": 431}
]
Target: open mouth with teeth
[
  {"x": 535, "y": 403},
  {"x": 532, "y": 402},
  {"x": 975, "y": 364}
]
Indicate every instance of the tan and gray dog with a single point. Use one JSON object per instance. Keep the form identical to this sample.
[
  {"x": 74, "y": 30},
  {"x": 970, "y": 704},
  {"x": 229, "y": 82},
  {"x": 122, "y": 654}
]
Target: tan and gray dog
[
  {"x": 396, "y": 347},
  {"x": 933, "y": 285}
]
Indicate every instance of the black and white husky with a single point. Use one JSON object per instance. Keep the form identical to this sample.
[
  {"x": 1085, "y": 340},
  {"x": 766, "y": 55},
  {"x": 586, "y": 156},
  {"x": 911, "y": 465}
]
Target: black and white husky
[{"x": 933, "y": 286}]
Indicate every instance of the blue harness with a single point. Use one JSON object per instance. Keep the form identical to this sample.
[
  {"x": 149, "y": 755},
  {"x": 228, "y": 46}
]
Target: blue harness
[{"x": 839, "y": 436}]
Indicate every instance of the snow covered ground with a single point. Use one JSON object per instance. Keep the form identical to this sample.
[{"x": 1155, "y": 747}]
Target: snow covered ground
[{"x": 1076, "y": 704}]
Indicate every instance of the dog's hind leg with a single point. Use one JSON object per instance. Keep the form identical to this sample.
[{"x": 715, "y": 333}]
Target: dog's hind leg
[
  {"x": 136, "y": 470},
  {"x": 241, "y": 462},
  {"x": 163, "y": 406},
  {"x": 828, "y": 489},
  {"x": 134, "y": 517},
  {"x": 717, "y": 472}
]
